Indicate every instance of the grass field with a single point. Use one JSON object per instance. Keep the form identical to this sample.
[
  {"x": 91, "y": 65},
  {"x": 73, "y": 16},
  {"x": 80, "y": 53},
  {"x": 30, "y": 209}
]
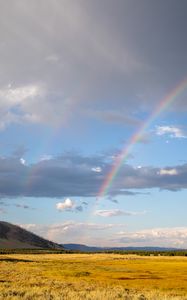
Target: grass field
[{"x": 92, "y": 276}]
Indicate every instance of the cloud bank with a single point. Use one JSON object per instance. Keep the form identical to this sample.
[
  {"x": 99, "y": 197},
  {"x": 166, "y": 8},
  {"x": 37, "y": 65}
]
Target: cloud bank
[
  {"x": 165, "y": 237},
  {"x": 72, "y": 174},
  {"x": 109, "y": 234}
]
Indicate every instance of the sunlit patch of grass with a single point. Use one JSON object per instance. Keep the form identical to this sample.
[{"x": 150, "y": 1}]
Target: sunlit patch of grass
[{"x": 92, "y": 276}]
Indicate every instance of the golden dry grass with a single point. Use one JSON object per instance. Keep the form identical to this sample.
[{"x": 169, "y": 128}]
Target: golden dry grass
[{"x": 92, "y": 276}]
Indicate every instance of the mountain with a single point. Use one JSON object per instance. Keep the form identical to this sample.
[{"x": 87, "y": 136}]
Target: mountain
[
  {"x": 14, "y": 237},
  {"x": 84, "y": 248}
]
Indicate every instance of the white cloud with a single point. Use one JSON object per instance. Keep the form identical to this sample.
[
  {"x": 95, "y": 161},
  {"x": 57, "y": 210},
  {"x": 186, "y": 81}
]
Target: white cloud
[
  {"x": 116, "y": 212},
  {"x": 22, "y": 161},
  {"x": 165, "y": 237},
  {"x": 168, "y": 172},
  {"x": 172, "y": 131},
  {"x": 67, "y": 204},
  {"x": 74, "y": 232},
  {"x": 106, "y": 234},
  {"x": 14, "y": 104},
  {"x": 15, "y": 96},
  {"x": 30, "y": 226},
  {"x": 97, "y": 169},
  {"x": 46, "y": 157}
]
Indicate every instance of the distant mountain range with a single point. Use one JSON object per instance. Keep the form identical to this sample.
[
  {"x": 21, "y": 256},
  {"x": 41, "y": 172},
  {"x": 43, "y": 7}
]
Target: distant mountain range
[
  {"x": 84, "y": 248},
  {"x": 15, "y": 237}
]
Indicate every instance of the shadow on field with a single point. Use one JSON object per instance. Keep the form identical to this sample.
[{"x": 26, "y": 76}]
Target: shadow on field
[
  {"x": 137, "y": 278},
  {"x": 8, "y": 259}
]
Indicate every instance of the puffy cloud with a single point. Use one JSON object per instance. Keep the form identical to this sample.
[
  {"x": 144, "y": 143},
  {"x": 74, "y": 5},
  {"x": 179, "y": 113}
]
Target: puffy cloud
[
  {"x": 69, "y": 205},
  {"x": 172, "y": 131},
  {"x": 66, "y": 205},
  {"x": 97, "y": 169},
  {"x": 23, "y": 161}
]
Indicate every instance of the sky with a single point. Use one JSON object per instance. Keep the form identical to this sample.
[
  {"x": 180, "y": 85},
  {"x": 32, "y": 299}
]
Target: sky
[{"x": 93, "y": 120}]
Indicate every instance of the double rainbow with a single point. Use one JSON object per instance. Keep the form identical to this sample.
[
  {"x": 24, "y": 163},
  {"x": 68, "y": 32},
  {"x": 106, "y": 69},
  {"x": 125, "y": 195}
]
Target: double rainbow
[{"x": 162, "y": 106}]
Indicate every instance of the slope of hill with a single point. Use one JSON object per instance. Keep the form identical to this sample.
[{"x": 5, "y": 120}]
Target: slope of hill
[{"x": 14, "y": 237}]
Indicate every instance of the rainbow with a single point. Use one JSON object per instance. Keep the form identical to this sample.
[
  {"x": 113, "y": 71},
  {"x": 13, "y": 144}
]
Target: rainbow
[{"x": 162, "y": 106}]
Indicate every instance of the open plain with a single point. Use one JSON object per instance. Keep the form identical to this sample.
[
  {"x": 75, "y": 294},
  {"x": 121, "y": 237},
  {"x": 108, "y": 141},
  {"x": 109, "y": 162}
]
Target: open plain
[{"x": 92, "y": 276}]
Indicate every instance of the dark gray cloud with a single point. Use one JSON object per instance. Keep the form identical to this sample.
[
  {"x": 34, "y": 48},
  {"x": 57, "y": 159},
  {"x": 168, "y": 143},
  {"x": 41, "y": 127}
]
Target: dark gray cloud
[
  {"x": 60, "y": 54},
  {"x": 79, "y": 208},
  {"x": 123, "y": 192},
  {"x": 110, "y": 198},
  {"x": 24, "y": 206},
  {"x": 75, "y": 175},
  {"x": 18, "y": 205}
]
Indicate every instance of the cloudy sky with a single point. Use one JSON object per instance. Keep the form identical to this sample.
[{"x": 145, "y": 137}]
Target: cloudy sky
[{"x": 79, "y": 79}]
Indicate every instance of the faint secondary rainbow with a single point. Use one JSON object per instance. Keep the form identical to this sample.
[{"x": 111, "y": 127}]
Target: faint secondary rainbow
[{"x": 163, "y": 104}]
